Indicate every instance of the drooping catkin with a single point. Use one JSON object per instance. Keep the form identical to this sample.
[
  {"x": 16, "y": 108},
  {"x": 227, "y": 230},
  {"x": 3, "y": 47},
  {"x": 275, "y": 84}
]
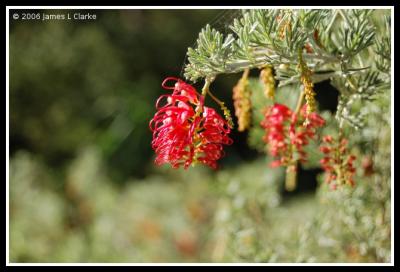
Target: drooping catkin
[
  {"x": 308, "y": 85},
  {"x": 309, "y": 93},
  {"x": 267, "y": 78},
  {"x": 242, "y": 102}
]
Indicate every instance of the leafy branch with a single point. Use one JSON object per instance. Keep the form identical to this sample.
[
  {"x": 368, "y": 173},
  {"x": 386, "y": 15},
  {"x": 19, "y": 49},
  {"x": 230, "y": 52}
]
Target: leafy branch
[{"x": 334, "y": 44}]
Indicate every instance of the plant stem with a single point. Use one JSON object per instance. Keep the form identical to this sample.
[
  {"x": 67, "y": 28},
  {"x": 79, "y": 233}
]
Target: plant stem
[
  {"x": 215, "y": 98},
  {"x": 206, "y": 87},
  {"x": 291, "y": 177},
  {"x": 262, "y": 60},
  {"x": 299, "y": 101},
  {"x": 246, "y": 73},
  {"x": 204, "y": 92}
]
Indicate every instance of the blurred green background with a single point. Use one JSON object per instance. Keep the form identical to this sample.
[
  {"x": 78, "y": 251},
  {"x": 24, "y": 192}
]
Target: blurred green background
[
  {"x": 75, "y": 83},
  {"x": 83, "y": 187},
  {"x": 92, "y": 85}
]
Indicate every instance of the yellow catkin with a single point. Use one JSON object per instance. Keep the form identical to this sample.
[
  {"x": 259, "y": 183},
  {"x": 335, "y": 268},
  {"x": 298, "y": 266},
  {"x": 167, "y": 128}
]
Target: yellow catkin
[
  {"x": 267, "y": 78},
  {"x": 242, "y": 102},
  {"x": 309, "y": 94},
  {"x": 306, "y": 80}
]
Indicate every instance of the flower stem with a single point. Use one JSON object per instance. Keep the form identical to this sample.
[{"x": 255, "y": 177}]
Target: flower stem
[
  {"x": 206, "y": 87},
  {"x": 205, "y": 91},
  {"x": 226, "y": 111},
  {"x": 299, "y": 102},
  {"x": 219, "y": 102},
  {"x": 245, "y": 74},
  {"x": 291, "y": 177}
]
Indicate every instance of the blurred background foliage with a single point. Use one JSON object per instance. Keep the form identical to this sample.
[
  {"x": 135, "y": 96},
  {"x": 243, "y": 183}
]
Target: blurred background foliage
[
  {"x": 95, "y": 82},
  {"x": 83, "y": 187}
]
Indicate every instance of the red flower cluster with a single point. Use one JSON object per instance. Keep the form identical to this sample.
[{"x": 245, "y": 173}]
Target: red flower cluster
[
  {"x": 337, "y": 162},
  {"x": 285, "y": 133},
  {"x": 185, "y": 131}
]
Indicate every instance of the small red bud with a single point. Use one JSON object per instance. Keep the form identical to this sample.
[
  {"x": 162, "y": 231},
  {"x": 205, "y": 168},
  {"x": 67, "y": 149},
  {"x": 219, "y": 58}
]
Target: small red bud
[
  {"x": 352, "y": 158},
  {"x": 275, "y": 164},
  {"x": 308, "y": 48},
  {"x": 344, "y": 142},
  {"x": 327, "y": 139},
  {"x": 325, "y": 160},
  {"x": 325, "y": 149}
]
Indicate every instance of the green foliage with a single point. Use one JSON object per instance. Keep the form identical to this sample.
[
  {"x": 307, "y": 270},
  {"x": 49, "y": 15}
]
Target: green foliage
[
  {"x": 258, "y": 42},
  {"x": 90, "y": 220},
  {"x": 362, "y": 217},
  {"x": 235, "y": 215},
  {"x": 212, "y": 50},
  {"x": 61, "y": 89},
  {"x": 351, "y": 49},
  {"x": 357, "y": 33},
  {"x": 341, "y": 42}
]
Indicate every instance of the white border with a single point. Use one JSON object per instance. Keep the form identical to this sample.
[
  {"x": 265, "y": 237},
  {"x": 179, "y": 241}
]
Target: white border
[
  {"x": 197, "y": 7},
  {"x": 7, "y": 135},
  {"x": 392, "y": 136}
]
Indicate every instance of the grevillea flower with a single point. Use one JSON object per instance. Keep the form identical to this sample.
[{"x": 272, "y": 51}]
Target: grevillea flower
[
  {"x": 286, "y": 135},
  {"x": 184, "y": 130},
  {"x": 242, "y": 102},
  {"x": 337, "y": 162}
]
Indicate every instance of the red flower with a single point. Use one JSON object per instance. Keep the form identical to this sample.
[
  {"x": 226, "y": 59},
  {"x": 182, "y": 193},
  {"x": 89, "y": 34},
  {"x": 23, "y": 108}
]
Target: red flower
[
  {"x": 185, "y": 131},
  {"x": 285, "y": 133},
  {"x": 337, "y": 163}
]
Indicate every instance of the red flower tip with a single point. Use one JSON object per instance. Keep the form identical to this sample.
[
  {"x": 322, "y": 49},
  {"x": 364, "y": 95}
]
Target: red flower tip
[
  {"x": 327, "y": 139},
  {"x": 325, "y": 149},
  {"x": 275, "y": 164},
  {"x": 352, "y": 158}
]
